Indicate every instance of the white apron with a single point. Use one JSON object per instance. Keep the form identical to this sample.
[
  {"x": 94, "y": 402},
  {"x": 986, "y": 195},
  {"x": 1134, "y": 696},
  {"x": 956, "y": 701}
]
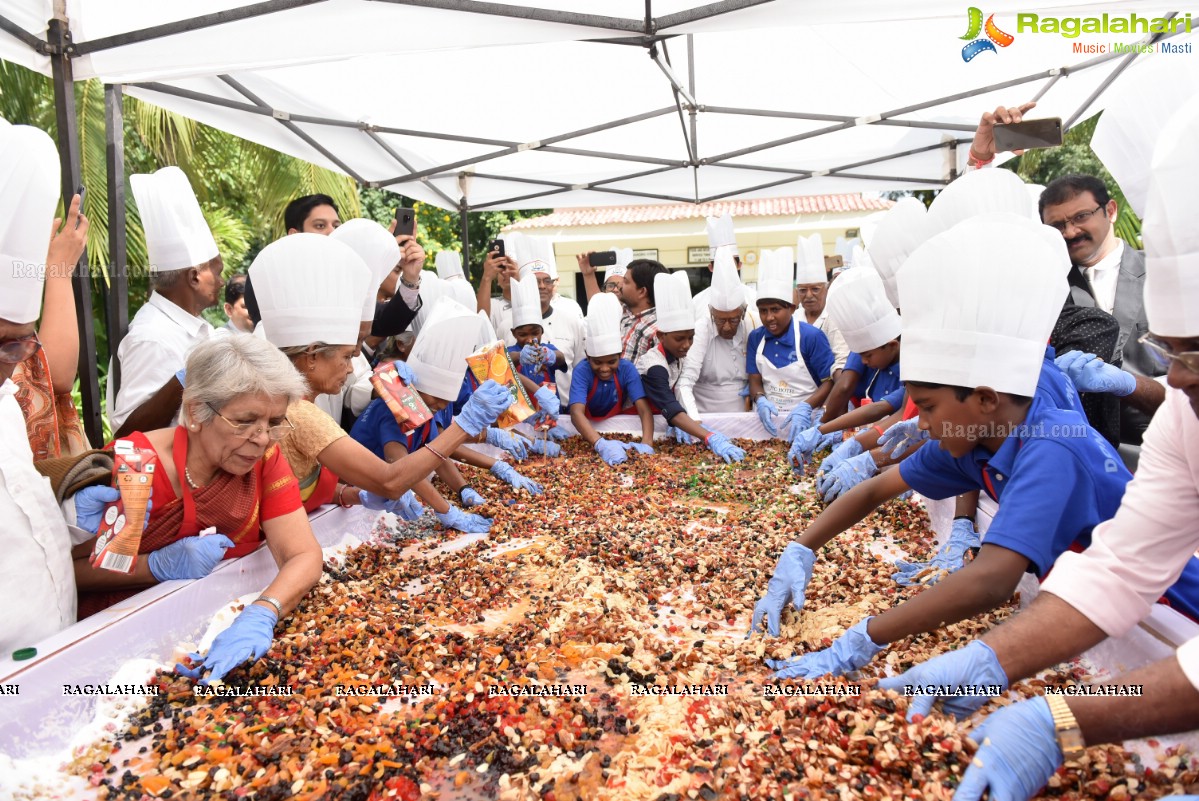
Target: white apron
[
  {"x": 723, "y": 377},
  {"x": 786, "y": 386}
]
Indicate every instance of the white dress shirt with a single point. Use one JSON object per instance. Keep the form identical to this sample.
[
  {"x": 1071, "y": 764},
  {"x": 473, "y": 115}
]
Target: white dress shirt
[
  {"x": 160, "y": 337},
  {"x": 1104, "y": 275},
  {"x": 835, "y": 339},
  {"x": 1139, "y": 553},
  {"x": 37, "y": 576}
]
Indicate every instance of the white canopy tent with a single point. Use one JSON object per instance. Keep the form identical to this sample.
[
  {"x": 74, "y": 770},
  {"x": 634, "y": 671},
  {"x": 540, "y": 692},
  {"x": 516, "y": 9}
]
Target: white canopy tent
[{"x": 474, "y": 105}]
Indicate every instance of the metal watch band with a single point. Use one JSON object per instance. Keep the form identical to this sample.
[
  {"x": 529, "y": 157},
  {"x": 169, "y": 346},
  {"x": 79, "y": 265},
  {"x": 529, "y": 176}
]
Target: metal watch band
[
  {"x": 1069, "y": 735},
  {"x": 273, "y": 602}
]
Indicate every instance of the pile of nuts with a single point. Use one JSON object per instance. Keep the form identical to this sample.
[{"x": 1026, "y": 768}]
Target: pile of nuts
[{"x": 521, "y": 663}]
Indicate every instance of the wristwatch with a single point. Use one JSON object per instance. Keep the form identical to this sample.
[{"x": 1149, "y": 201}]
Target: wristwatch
[
  {"x": 273, "y": 602},
  {"x": 1069, "y": 735}
]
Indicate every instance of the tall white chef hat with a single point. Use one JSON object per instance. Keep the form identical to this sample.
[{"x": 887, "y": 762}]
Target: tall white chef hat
[
  {"x": 177, "y": 237},
  {"x": 776, "y": 275},
  {"x": 29, "y": 179},
  {"x": 377, "y": 248},
  {"x": 721, "y": 233},
  {"x": 979, "y": 314},
  {"x": 672, "y": 299},
  {"x": 980, "y": 192},
  {"x": 623, "y": 257},
  {"x": 603, "y": 325},
  {"x": 526, "y": 302},
  {"x": 901, "y": 230},
  {"x": 858, "y": 306},
  {"x": 537, "y": 256},
  {"x": 309, "y": 289},
  {"x": 461, "y": 291},
  {"x": 809, "y": 261},
  {"x": 431, "y": 288},
  {"x": 438, "y": 357},
  {"x": 728, "y": 293},
  {"x": 449, "y": 265},
  {"x": 1171, "y": 236}
]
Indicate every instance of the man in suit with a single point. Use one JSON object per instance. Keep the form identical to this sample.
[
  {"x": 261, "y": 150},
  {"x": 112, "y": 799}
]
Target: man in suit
[{"x": 1107, "y": 274}]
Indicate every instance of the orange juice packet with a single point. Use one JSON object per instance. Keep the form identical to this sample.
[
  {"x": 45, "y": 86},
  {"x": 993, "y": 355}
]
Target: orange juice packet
[
  {"x": 124, "y": 520},
  {"x": 405, "y": 403},
  {"x": 492, "y": 362}
]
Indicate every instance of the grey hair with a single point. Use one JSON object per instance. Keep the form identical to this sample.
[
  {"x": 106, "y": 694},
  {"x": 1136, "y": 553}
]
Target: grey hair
[
  {"x": 168, "y": 279},
  {"x": 225, "y": 367}
]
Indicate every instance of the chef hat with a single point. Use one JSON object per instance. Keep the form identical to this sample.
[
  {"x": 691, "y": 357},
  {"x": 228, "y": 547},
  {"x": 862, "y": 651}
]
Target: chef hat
[
  {"x": 449, "y": 265},
  {"x": 1137, "y": 111},
  {"x": 487, "y": 330},
  {"x": 431, "y": 288},
  {"x": 727, "y": 294},
  {"x": 978, "y": 315},
  {"x": 721, "y": 234},
  {"x": 603, "y": 325},
  {"x": 776, "y": 275},
  {"x": 29, "y": 179},
  {"x": 844, "y": 248},
  {"x": 309, "y": 289},
  {"x": 809, "y": 256},
  {"x": 377, "y": 248},
  {"x": 901, "y": 231},
  {"x": 461, "y": 291},
  {"x": 526, "y": 302},
  {"x": 537, "y": 256},
  {"x": 980, "y": 192},
  {"x": 177, "y": 237},
  {"x": 623, "y": 257},
  {"x": 672, "y": 299},
  {"x": 1171, "y": 237},
  {"x": 858, "y": 306},
  {"x": 438, "y": 357}
]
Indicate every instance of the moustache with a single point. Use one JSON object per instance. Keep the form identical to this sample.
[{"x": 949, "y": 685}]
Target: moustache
[{"x": 1079, "y": 238}]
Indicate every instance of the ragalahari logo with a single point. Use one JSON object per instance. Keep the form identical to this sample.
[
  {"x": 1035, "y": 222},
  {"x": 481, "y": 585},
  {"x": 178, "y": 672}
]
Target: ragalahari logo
[{"x": 993, "y": 37}]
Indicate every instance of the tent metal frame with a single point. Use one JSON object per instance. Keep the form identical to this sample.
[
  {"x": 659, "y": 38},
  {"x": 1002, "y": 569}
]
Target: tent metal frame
[{"x": 651, "y": 33}]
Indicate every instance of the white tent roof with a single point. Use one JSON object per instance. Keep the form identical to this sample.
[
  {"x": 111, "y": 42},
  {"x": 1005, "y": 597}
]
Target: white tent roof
[{"x": 790, "y": 96}]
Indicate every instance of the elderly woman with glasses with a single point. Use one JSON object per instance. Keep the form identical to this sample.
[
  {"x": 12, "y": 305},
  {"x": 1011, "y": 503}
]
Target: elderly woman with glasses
[{"x": 221, "y": 469}]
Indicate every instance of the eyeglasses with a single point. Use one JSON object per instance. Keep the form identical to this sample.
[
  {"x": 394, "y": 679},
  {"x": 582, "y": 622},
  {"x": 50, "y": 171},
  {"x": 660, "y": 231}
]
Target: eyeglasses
[
  {"x": 726, "y": 322},
  {"x": 15, "y": 351},
  {"x": 546, "y": 283},
  {"x": 251, "y": 430},
  {"x": 1077, "y": 220},
  {"x": 1162, "y": 354}
]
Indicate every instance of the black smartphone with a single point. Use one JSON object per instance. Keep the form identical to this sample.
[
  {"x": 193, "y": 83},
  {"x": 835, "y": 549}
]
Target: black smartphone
[
  {"x": 603, "y": 258},
  {"x": 82, "y": 197},
  {"x": 497, "y": 247},
  {"x": 405, "y": 221},
  {"x": 1028, "y": 134}
]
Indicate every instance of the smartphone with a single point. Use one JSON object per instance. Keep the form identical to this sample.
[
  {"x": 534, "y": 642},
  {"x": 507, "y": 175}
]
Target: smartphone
[
  {"x": 1028, "y": 134},
  {"x": 405, "y": 221},
  {"x": 497, "y": 247},
  {"x": 832, "y": 262},
  {"x": 604, "y": 258},
  {"x": 82, "y": 197}
]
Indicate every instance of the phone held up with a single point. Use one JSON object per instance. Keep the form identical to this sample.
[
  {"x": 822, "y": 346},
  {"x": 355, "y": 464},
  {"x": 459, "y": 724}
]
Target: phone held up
[
  {"x": 82, "y": 197},
  {"x": 603, "y": 258},
  {"x": 1028, "y": 134},
  {"x": 405, "y": 221},
  {"x": 497, "y": 247}
]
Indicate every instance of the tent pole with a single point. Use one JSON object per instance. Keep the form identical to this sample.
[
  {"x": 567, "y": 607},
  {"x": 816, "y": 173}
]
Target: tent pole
[
  {"x": 464, "y": 222},
  {"x": 117, "y": 296},
  {"x": 61, "y": 47}
]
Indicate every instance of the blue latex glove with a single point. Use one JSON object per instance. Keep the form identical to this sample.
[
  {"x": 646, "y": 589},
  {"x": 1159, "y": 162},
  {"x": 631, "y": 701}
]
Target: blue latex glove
[
  {"x": 803, "y": 445},
  {"x": 850, "y": 651},
  {"x": 404, "y": 372},
  {"x": 846, "y": 476},
  {"x": 536, "y": 355},
  {"x": 376, "y": 503},
  {"x": 1091, "y": 374},
  {"x": 976, "y": 665},
  {"x": 800, "y": 419},
  {"x": 546, "y": 448},
  {"x": 471, "y": 498},
  {"x": 902, "y": 437},
  {"x": 1018, "y": 753},
  {"x": 641, "y": 447},
  {"x": 511, "y": 442},
  {"x": 189, "y": 558},
  {"x": 723, "y": 447},
  {"x": 611, "y": 451},
  {"x": 681, "y": 436},
  {"x": 248, "y": 637},
  {"x": 818, "y": 416},
  {"x": 506, "y": 472},
  {"x": 464, "y": 521},
  {"x": 846, "y": 450},
  {"x": 408, "y": 507},
  {"x": 558, "y": 434},
  {"x": 548, "y": 404},
  {"x": 90, "y": 503},
  {"x": 950, "y": 557},
  {"x": 181, "y": 377},
  {"x": 483, "y": 407},
  {"x": 767, "y": 411},
  {"x": 789, "y": 583}
]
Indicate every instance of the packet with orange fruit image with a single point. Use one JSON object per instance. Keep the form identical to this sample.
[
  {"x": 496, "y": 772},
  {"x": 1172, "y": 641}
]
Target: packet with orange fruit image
[{"x": 492, "y": 362}]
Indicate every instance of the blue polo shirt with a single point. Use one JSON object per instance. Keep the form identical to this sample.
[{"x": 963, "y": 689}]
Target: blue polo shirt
[
  {"x": 605, "y": 397},
  {"x": 1055, "y": 479},
  {"x": 539, "y": 377},
  {"x": 377, "y": 426},
  {"x": 814, "y": 349},
  {"x": 877, "y": 385},
  {"x": 1056, "y": 384}
]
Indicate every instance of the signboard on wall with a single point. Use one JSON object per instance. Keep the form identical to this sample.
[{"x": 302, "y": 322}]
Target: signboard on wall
[
  {"x": 699, "y": 254},
  {"x": 646, "y": 253}
]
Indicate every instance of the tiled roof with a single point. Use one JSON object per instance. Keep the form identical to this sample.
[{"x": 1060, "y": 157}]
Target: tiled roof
[{"x": 759, "y": 207}]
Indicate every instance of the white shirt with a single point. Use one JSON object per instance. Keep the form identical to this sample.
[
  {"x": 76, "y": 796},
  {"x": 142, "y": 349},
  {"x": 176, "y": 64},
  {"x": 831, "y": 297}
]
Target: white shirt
[
  {"x": 835, "y": 339},
  {"x": 1139, "y": 553},
  {"x": 160, "y": 337},
  {"x": 37, "y": 576},
  {"x": 1104, "y": 275}
]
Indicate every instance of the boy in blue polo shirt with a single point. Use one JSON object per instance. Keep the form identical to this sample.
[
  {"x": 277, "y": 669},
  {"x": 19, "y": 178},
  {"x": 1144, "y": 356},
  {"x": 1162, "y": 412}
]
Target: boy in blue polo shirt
[{"x": 972, "y": 373}]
